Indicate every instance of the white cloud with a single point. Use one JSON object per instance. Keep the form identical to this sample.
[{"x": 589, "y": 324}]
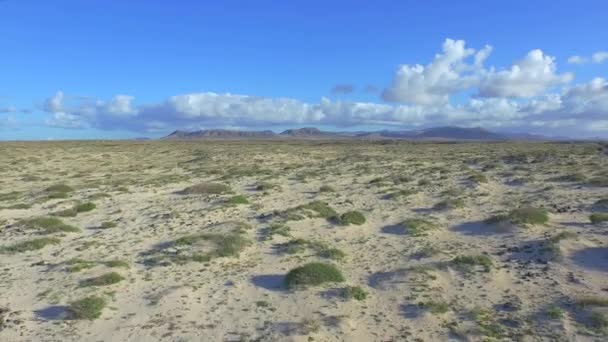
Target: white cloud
[
  {"x": 528, "y": 94},
  {"x": 529, "y": 77},
  {"x": 432, "y": 84},
  {"x": 600, "y": 57},
  {"x": 577, "y": 60}
]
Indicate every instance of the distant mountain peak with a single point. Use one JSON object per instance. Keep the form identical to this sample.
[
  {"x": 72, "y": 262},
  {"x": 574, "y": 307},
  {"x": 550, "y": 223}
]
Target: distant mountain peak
[{"x": 305, "y": 131}]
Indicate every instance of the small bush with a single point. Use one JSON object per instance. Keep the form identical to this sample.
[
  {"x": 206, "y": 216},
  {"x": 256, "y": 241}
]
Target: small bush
[
  {"x": 49, "y": 225},
  {"x": 321, "y": 209},
  {"x": 29, "y": 245},
  {"x": 87, "y": 308},
  {"x": 84, "y": 207},
  {"x": 478, "y": 178},
  {"x": 326, "y": 188},
  {"x": 468, "y": 262},
  {"x": 314, "y": 273},
  {"x": 598, "y": 218},
  {"x": 264, "y": 186},
  {"x": 332, "y": 253},
  {"x": 59, "y": 188},
  {"x": 238, "y": 199},
  {"x": 351, "y": 217},
  {"x": 525, "y": 216},
  {"x": 207, "y": 189},
  {"x": 434, "y": 307},
  {"x": 116, "y": 263},
  {"x": 450, "y": 203},
  {"x": 108, "y": 224},
  {"x": 418, "y": 226},
  {"x": 102, "y": 280},
  {"x": 592, "y": 301},
  {"x": 276, "y": 229},
  {"x": 555, "y": 312},
  {"x": 77, "y": 265},
  {"x": 354, "y": 292}
]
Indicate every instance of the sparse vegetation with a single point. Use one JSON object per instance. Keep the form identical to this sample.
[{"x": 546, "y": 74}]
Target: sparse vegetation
[
  {"x": 351, "y": 217},
  {"x": 418, "y": 226},
  {"x": 238, "y": 199},
  {"x": 48, "y": 225},
  {"x": 471, "y": 262},
  {"x": 207, "y": 189},
  {"x": 102, "y": 280},
  {"x": 522, "y": 216},
  {"x": 314, "y": 273},
  {"x": 89, "y": 308},
  {"x": 29, "y": 245},
  {"x": 354, "y": 292},
  {"x": 598, "y": 218}
]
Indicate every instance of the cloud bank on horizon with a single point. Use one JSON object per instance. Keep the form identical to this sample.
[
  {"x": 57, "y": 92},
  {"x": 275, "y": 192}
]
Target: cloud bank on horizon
[{"x": 455, "y": 88}]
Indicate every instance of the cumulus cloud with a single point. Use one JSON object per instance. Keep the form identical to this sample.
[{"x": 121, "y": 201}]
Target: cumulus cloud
[
  {"x": 600, "y": 57},
  {"x": 448, "y": 73},
  {"x": 578, "y": 106},
  {"x": 529, "y": 77},
  {"x": 530, "y": 93}
]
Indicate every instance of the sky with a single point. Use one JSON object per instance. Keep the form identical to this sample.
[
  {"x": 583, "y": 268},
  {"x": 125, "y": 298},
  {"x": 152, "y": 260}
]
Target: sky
[{"x": 109, "y": 69}]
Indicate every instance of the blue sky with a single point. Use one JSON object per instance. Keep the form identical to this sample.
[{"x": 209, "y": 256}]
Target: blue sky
[{"x": 119, "y": 69}]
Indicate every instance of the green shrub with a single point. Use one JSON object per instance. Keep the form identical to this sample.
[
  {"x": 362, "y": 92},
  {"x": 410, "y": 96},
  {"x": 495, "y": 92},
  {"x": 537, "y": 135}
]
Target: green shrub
[
  {"x": 48, "y": 225},
  {"x": 238, "y": 199},
  {"x": 29, "y": 245},
  {"x": 450, "y": 203},
  {"x": 314, "y": 273},
  {"x": 87, "y": 308},
  {"x": 435, "y": 307},
  {"x": 478, "y": 178},
  {"x": 116, "y": 263},
  {"x": 77, "y": 265},
  {"x": 598, "y": 218},
  {"x": 468, "y": 262},
  {"x": 525, "y": 216},
  {"x": 276, "y": 229},
  {"x": 59, "y": 188},
  {"x": 592, "y": 301},
  {"x": 418, "y": 226},
  {"x": 351, "y": 217},
  {"x": 326, "y": 188},
  {"x": 265, "y": 186},
  {"x": 354, "y": 292},
  {"x": 102, "y": 280},
  {"x": 84, "y": 207},
  {"x": 321, "y": 209},
  {"x": 207, "y": 189},
  {"x": 108, "y": 224},
  {"x": 555, "y": 312},
  {"x": 332, "y": 253}
]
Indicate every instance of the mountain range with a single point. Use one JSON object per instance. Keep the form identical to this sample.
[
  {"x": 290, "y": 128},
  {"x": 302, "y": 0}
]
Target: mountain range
[{"x": 446, "y": 133}]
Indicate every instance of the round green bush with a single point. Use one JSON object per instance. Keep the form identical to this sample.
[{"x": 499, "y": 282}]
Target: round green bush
[
  {"x": 352, "y": 217},
  {"x": 314, "y": 273}
]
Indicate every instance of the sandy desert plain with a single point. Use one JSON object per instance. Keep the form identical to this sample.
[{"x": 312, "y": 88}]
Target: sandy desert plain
[{"x": 303, "y": 241}]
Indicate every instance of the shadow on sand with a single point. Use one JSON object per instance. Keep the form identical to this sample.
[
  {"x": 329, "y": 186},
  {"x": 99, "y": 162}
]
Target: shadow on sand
[
  {"x": 595, "y": 258},
  {"x": 271, "y": 282}
]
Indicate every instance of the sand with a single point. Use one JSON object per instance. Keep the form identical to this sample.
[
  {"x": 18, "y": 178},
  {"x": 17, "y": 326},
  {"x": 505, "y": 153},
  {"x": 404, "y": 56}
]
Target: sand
[{"x": 534, "y": 289}]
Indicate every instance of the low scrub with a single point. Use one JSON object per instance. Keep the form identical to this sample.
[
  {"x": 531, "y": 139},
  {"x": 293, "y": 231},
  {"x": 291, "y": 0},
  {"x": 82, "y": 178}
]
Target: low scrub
[
  {"x": 351, "y": 217},
  {"x": 87, "y": 308},
  {"x": 29, "y": 245},
  {"x": 103, "y": 280},
  {"x": 48, "y": 225},
  {"x": 207, "y": 189},
  {"x": 312, "y": 274}
]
